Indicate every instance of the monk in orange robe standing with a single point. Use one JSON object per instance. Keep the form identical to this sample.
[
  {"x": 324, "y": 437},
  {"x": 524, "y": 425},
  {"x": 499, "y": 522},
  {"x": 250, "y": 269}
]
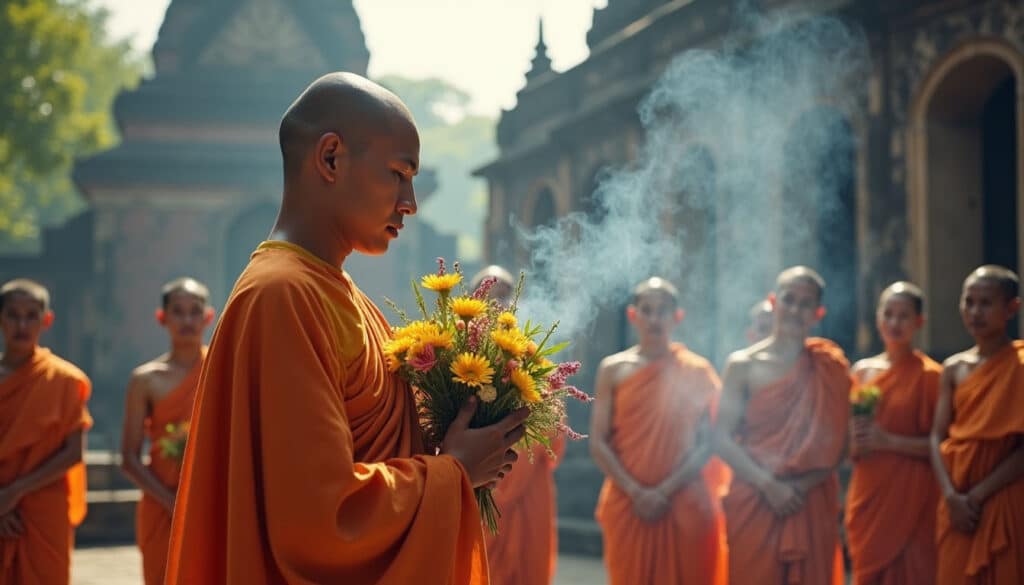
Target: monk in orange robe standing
[
  {"x": 525, "y": 549},
  {"x": 43, "y": 420},
  {"x": 658, "y": 509},
  {"x": 782, "y": 429},
  {"x": 978, "y": 440},
  {"x": 891, "y": 534},
  {"x": 305, "y": 461},
  {"x": 158, "y": 406}
]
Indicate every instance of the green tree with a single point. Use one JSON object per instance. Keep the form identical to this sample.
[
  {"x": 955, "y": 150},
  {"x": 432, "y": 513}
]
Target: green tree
[
  {"x": 60, "y": 75},
  {"x": 454, "y": 142}
]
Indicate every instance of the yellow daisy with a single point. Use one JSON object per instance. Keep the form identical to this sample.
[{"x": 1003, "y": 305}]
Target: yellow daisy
[
  {"x": 468, "y": 308},
  {"x": 437, "y": 338},
  {"x": 393, "y": 362},
  {"x": 398, "y": 345},
  {"x": 507, "y": 320},
  {"x": 526, "y": 385},
  {"x": 472, "y": 370},
  {"x": 442, "y": 283},
  {"x": 531, "y": 347},
  {"x": 510, "y": 341},
  {"x": 416, "y": 330}
]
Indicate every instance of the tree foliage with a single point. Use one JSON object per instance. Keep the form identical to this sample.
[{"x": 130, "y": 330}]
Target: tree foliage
[{"x": 60, "y": 75}]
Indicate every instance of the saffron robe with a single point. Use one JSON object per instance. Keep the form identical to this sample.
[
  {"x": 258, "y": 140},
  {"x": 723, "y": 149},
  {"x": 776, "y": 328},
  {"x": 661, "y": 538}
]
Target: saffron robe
[{"x": 305, "y": 462}]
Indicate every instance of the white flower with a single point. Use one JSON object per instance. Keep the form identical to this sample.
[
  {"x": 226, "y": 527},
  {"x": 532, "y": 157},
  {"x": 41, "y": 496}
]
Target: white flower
[{"x": 487, "y": 393}]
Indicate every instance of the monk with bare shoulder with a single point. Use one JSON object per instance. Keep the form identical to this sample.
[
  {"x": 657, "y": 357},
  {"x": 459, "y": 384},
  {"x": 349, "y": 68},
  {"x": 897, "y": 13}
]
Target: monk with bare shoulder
[
  {"x": 158, "y": 409},
  {"x": 977, "y": 442},
  {"x": 659, "y": 505},
  {"x": 782, "y": 429}
]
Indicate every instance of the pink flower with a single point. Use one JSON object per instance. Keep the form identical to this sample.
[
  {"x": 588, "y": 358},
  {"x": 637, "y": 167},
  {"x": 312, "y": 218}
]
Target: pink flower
[
  {"x": 484, "y": 288},
  {"x": 557, "y": 378},
  {"x": 440, "y": 266},
  {"x": 423, "y": 360},
  {"x": 477, "y": 329},
  {"x": 460, "y": 325},
  {"x": 579, "y": 394},
  {"x": 571, "y": 434}
]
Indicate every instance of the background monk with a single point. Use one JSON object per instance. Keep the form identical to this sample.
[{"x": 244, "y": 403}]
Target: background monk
[
  {"x": 891, "y": 501},
  {"x": 782, "y": 429},
  {"x": 650, "y": 435},
  {"x": 43, "y": 420},
  {"x": 978, "y": 440},
  {"x": 525, "y": 549},
  {"x": 161, "y": 393},
  {"x": 760, "y": 321},
  {"x": 305, "y": 461}
]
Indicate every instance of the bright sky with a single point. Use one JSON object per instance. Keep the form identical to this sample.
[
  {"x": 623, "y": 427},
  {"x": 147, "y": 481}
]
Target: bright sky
[{"x": 482, "y": 46}]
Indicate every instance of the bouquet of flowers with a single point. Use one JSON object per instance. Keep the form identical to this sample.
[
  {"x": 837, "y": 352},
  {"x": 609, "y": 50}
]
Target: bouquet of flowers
[
  {"x": 465, "y": 344},
  {"x": 172, "y": 444},
  {"x": 864, "y": 399}
]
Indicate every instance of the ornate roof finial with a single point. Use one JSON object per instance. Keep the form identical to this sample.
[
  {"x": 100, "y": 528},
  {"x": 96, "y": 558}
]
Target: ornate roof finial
[{"x": 541, "y": 62}]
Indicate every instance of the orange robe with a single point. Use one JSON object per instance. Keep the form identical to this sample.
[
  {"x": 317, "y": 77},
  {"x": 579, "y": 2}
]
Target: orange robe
[
  {"x": 988, "y": 425},
  {"x": 892, "y": 536},
  {"x": 525, "y": 549},
  {"x": 305, "y": 461},
  {"x": 152, "y": 520},
  {"x": 793, "y": 426},
  {"x": 41, "y": 404},
  {"x": 655, "y": 415}
]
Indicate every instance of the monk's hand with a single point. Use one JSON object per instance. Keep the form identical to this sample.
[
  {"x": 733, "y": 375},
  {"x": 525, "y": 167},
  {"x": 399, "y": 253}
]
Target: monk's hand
[
  {"x": 650, "y": 504},
  {"x": 11, "y": 525},
  {"x": 784, "y": 499},
  {"x": 486, "y": 453},
  {"x": 867, "y": 436},
  {"x": 964, "y": 511}
]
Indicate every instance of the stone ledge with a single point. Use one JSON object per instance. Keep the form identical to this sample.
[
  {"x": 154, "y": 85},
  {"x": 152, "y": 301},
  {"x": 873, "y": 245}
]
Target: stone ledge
[{"x": 579, "y": 536}]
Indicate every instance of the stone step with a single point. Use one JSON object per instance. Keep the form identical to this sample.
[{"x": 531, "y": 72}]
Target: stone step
[
  {"x": 103, "y": 471},
  {"x": 110, "y": 518},
  {"x": 579, "y": 536}
]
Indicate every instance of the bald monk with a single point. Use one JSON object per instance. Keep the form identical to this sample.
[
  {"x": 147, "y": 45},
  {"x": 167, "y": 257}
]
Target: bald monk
[
  {"x": 782, "y": 429},
  {"x": 160, "y": 395},
  {"x": 43, "y": 420},
  {"x": 650, "y": 436},
  {"x": 760, "y": 321},
  {"x": 891, "y": 536},
  {"x": 977, "y": 443},
  {"x": 525, "y": 549},
  {"x": 305, "y": 462}
]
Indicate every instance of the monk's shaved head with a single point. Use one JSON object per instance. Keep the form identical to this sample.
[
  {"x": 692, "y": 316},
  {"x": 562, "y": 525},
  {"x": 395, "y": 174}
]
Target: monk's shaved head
[
  {"x": 27, "y": 287},
  {"x": 351, "y": 106},
  {"x": 500, "y": 275},
  {"x": 904, "y": 289},
  {"x": 659, "y": 285},
  {"x": 1006, "y": 279},
  {"x": 804, "y": 274},
  {"x": 185, "y": 285}
]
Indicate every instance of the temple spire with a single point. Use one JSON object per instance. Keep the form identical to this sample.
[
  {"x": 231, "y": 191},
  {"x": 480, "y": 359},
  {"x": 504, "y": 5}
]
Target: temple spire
[{"x": 541, "y": 62}]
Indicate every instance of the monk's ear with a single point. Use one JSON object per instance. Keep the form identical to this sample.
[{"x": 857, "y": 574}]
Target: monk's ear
[
  {"x": 772, "y": 299},
  {"x": 679, "y": 315},
  {"x": 330, "y": 152},
  {"x": 208, "y": 315},
  {"x": 48, "y": 318},
  {"x": 161, "y": 316},
  {"x": 1015, "y": 305},
  {"x": 631, "y": 313},
  {"x": 819, "y": 313}
]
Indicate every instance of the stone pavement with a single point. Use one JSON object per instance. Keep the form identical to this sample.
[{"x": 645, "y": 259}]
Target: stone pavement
[{"x": 120, "y": 565}]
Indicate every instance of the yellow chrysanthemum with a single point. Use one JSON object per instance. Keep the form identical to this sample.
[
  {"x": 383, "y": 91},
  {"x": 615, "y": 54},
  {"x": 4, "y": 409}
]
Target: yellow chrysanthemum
[
  {"x": 416, "y": 330},
  {"x": 472, "y": 370},
  {"x": 437, "y": 338},
  {"x": 398, "y": 345},
  {"x": 531, "y": 347},
  {"x": 526, "y": 385},
  {"x": 507, "y": 320},
  {"x": 510, "y": 341},
  {"x": 468, "y": 308},
  {"x": 442, "y": 283}
]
